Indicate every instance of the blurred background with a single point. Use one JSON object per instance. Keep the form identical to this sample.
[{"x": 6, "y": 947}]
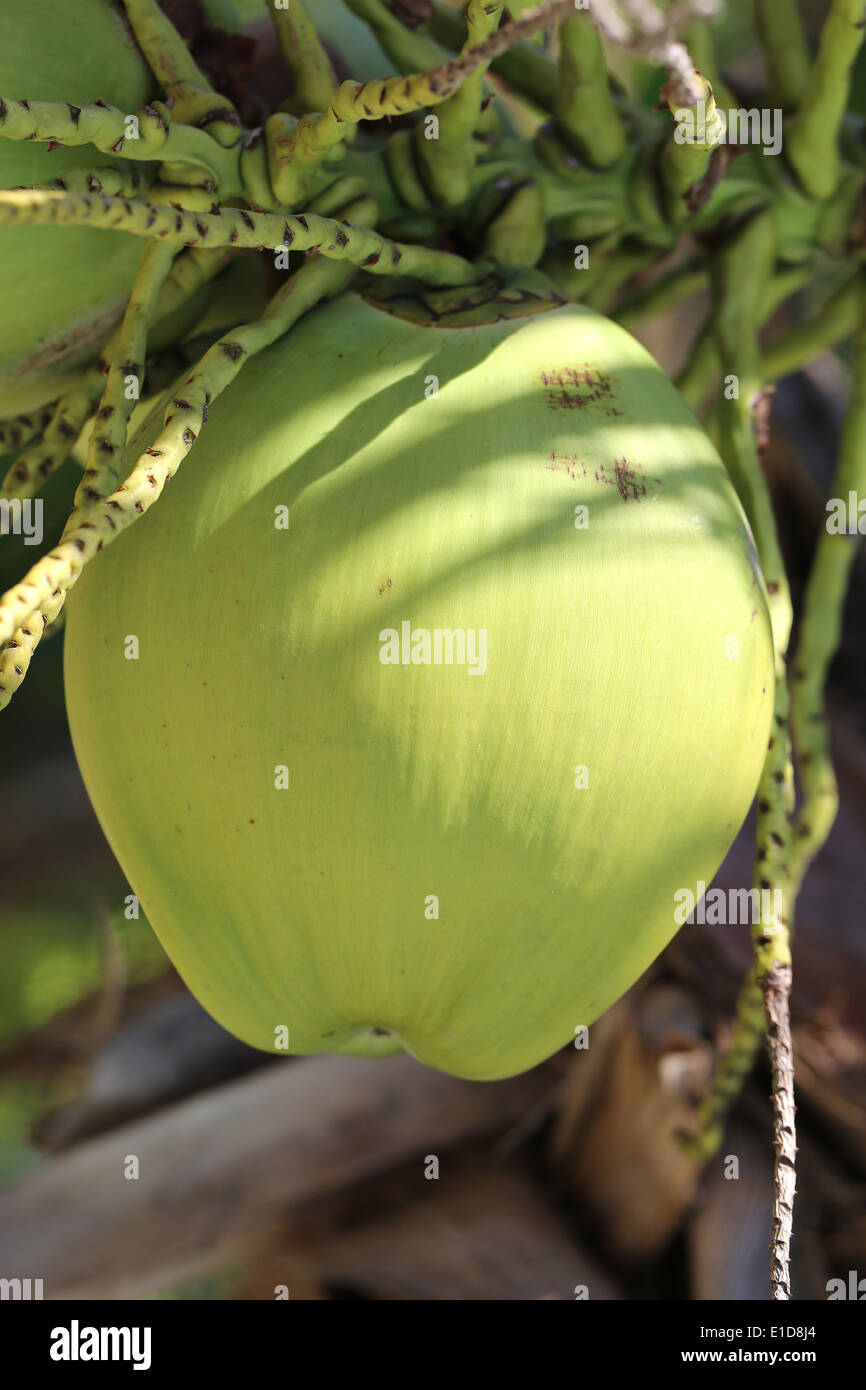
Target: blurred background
[{"x": 316, "y": 1175}]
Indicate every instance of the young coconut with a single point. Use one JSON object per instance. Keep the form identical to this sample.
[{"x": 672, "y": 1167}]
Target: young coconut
[{"x": 441, "y": 667}]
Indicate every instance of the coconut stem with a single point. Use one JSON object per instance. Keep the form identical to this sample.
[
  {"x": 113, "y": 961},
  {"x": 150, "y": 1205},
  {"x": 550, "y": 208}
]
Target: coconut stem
[
  {"x": 784, "y": 354},
  {"x": 295, "y": 153},
  {"x": 147, "y": 134},
  {"x": 125, "y": 369},
  {"x": 304, "y": 56},
  {"x": 189, "y": 272},
  {"x": 46, "y": 584},
  {"x": 700, "y": 130},
  {"x": 409, "y": 50},
  {"x": 586, "y": 113},
  {"x": 334, "y": 240},
  {"x": 786, "y": 51},
  {"x": 51, "y": 443},
  {"x": 193, "y": 100},
  {"x": 18, "y": 432},
  {"x": 54, "y": 444},
  {"x": 740, "y": 270},
  {"x": 663, "y": 293},
  {"x": 776, "y": 987},
  {"x": 113, "y": 180},
  {"x": 812, "y": 137},
  {"x": 835, "y": 321},
  {"x": 107, "y": 438},
  {"x": 446, "y": 161},
  {"x": 821, "y": 627}
]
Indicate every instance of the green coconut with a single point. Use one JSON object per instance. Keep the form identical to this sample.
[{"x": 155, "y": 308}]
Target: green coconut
[{"x": 452, "y": 666}]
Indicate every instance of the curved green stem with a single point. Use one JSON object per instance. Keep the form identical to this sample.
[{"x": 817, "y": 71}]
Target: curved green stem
[
  {"x": 56, "y": 573},
  {"x": 156, "y": 294},
  {"x": 18, "y": 432},
  {"x": 786, "y": 51},
  {"x": 740, "y": 272},
  {"x": 615, "y": 272},
  {"x": 60, "y": 427},
  {"x": 821, "y": 627},
  {"x": 125, "y": 378},
  {"x": 114, "y": 180},
  {"x": 446, "y": 160},
  {"x": 339, "y": 241},
  {"x": 516, "y": 235},
  {"x": 93, "y": 123},
  {"x": 147, "y": 134},
  {"x": 699, "y": 130},
  {"x": 295, "y": 153},
  {"x": 408, "y": 50},
  {"x": 787, "y": 353},
  {"x": 304, "y": 56},
  {"x": 586, "y": 114},
  {"x": 734, "y": 1069},
  {"x": 52, "y": 447},
  {"x": 187, "y": 89},
  {"x": 663, "y": 293},
  {"x": 835, "y": 321},
  {"x": 17, "y": 653},
  {"x": 700, "y": 44},
  {"x": 524, "y": 67},
  {"x": 812, "y": 138},
  {"x": 701, "y": 369}
]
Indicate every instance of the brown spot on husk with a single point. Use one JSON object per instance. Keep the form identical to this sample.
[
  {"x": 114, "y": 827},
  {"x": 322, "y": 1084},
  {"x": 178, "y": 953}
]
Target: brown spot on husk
[
  {"x": 629, "y": 479},
  {"x": 575, "y": 388}
]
